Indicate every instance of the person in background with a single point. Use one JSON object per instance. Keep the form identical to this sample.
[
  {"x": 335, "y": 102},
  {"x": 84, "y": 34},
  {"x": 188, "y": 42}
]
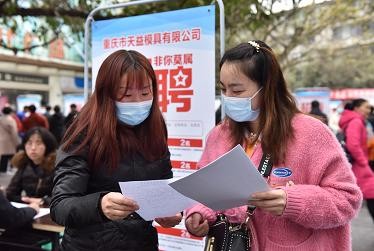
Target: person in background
[
  {"x": 317, "y": 113},
  {"x": 370, "y": 133},
  {"x": 370, "y": 118},
  {"x": 119, "y": 135},
  {"x": 72, "y": 114},
  {"x": 334, "y": 120},
  {"x": 34, "y": 120},
  {"x": 56, "y": 123},
  {"x": 9, "y": 139},
  {"x": 47, "y": 113},
  {"x": 314, "y": 196},
  {"x": 13, "y": 114},
  {"x": 35, "y": 166},
  {"x": 24, "y": 113},
  {"x": 352, "y": 122}
]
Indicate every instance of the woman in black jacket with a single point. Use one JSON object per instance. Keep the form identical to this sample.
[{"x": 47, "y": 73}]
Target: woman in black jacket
[
  {"x": 35, "y": 165},
  {"x": 119, "y": 135}
]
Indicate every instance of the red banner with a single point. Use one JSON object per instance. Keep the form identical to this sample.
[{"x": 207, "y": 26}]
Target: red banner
[
  {"x": 177, "y": 232},
  {"x": 184, "y": 165},
  {"x": 185, "y": 142}
]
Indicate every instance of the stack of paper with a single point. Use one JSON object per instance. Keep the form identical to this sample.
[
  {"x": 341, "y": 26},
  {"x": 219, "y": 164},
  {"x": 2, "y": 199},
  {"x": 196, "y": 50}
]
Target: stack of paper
[{"x": 42, "y": 211}]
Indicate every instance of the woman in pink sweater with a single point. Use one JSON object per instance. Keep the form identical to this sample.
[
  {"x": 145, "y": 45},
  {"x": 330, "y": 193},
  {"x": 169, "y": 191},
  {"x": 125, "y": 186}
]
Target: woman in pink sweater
[
  {"x": 315, "y": 195},
  {"x": 352, "y": 122}
]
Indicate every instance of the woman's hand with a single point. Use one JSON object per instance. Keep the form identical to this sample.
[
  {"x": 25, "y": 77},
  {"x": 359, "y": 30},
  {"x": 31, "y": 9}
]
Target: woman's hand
[
  {"x": 273, "y": 201},
  {"x": 196, "y": 225},
  {"x": 30, "y": 200},
  {"x": 169, "y": 221},
  {"x": 35, "y": 206},
  {"x": 115, "y": 206}
]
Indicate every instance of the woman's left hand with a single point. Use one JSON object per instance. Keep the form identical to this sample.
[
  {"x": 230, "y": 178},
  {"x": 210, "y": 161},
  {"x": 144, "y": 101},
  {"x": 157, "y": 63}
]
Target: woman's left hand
[
  {"x": 30, "y": 200},
  {"x": 273, "y": 201},
  {"x": 169, "y": 221}
]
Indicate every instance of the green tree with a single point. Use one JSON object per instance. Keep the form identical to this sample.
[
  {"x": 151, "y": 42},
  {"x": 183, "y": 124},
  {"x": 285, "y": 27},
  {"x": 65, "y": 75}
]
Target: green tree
[{"x": 50, "y": 19}]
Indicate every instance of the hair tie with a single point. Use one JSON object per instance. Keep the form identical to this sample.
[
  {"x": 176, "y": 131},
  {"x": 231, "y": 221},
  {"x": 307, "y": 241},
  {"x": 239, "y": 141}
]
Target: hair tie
[{"x": 255, "y": 44}]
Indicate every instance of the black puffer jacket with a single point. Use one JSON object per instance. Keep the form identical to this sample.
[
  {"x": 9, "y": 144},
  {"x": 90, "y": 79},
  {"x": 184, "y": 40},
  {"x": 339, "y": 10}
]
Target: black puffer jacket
[{"x": 76, "y": 200}]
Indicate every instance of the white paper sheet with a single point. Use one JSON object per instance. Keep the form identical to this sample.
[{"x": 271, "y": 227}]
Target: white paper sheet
[
  {"x": 225, "y": 183},
  {"x": 155, "y": 198},
  {"x": 42, "y": 211}
]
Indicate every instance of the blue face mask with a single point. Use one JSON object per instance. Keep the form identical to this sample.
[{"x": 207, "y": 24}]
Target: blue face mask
[
  {"x": 133, "y": 113},
  {"x": 240, "y": 109}
]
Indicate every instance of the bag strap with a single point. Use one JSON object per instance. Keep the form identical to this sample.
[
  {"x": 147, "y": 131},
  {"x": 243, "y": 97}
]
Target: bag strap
[
  {"x": 264, "y": 168},
  {"x": 266, "y": 164}
]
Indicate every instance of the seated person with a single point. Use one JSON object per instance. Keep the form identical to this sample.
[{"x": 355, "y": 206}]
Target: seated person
[
  {"x": 17, "y": 234},
  {"x": 35, "y": 163},
  {"x": 12, "y": 217}
]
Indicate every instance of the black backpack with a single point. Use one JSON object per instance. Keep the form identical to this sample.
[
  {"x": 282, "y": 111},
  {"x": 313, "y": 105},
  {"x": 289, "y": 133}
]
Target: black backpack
[{"x": 341, "y": 138}]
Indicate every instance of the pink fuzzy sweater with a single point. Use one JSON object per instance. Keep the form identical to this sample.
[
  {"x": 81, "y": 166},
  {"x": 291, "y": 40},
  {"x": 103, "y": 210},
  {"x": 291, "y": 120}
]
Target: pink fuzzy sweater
[{"x": 319, "y": 206}]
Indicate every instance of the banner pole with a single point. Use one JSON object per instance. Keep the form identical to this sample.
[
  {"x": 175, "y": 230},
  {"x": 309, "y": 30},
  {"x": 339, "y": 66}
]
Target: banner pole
[
  {"x": 89, "y": 19},
  {"x": 221, "y": 26}
]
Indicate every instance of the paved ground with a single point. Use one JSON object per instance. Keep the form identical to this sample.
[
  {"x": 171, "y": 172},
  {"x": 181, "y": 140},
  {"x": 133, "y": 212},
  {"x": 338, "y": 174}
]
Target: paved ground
[
  {"x": 362, "y": 226},
  {"x": 363, "y": 231}
]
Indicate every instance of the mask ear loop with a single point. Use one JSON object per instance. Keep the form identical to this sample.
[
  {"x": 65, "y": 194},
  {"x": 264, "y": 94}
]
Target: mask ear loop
[{"x": 254, "y": 95}]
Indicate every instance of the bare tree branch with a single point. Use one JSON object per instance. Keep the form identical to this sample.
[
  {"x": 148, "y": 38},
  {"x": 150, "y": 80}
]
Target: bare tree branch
[
  {"x": 16, "y": 49},
  {"x": 42, "y": 12}
]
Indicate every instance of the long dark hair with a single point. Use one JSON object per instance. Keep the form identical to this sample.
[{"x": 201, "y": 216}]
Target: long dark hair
[
  {"x": 97, "y": 126},
  {"x": 355, "y": 104},
  {"x": 277, "y": 106}
]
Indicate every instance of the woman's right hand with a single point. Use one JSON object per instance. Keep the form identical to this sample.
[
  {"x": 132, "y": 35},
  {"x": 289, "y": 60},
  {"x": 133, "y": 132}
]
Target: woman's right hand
[
  {"x": 115, "y": 206},
  {"x": 196, "y": 225}
]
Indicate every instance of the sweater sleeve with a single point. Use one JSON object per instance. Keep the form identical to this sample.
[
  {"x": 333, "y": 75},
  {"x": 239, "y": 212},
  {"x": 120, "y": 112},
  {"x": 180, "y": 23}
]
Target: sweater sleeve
[
  {"x": 71, "y": 205},
  {"x": 205, "y": 212},
  {"x": 353, "y": 141},
  {"x": 335, "y": 199}
]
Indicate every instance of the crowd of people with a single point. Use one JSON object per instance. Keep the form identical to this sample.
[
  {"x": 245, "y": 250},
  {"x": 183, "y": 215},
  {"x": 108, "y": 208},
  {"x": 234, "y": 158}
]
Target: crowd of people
[
  {"x": 120, "y": 135},
  {"x": 28, "y": 143},
  {"x": 356, "y": 126}
]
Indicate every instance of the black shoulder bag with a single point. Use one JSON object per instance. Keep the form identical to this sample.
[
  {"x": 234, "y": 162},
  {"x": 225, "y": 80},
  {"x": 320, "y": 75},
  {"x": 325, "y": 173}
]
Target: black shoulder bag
[{"x": 226, "y": 236}]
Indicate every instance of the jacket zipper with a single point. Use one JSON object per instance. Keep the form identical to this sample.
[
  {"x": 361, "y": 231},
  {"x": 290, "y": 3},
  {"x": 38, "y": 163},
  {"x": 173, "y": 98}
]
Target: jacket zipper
[{"x": 38, "y": 186}]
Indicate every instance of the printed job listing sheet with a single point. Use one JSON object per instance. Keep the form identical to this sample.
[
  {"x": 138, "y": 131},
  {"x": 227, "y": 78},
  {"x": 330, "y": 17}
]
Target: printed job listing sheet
[
  {"x": 156, "y": 198},
  {"x": 225, "y": 183}
]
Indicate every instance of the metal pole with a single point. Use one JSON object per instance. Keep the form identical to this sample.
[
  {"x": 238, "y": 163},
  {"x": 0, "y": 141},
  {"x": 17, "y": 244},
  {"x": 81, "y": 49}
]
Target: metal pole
[
  {"x": 221, "y": 26},
  {"x": 121, "y": 5},
  {"x": 86, "y": 34},
  {"x": 222, "y": 42}
]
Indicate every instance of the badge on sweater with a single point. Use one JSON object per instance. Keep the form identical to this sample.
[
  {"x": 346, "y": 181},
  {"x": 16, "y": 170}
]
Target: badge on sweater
[{"x": 282, "y": 172}]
